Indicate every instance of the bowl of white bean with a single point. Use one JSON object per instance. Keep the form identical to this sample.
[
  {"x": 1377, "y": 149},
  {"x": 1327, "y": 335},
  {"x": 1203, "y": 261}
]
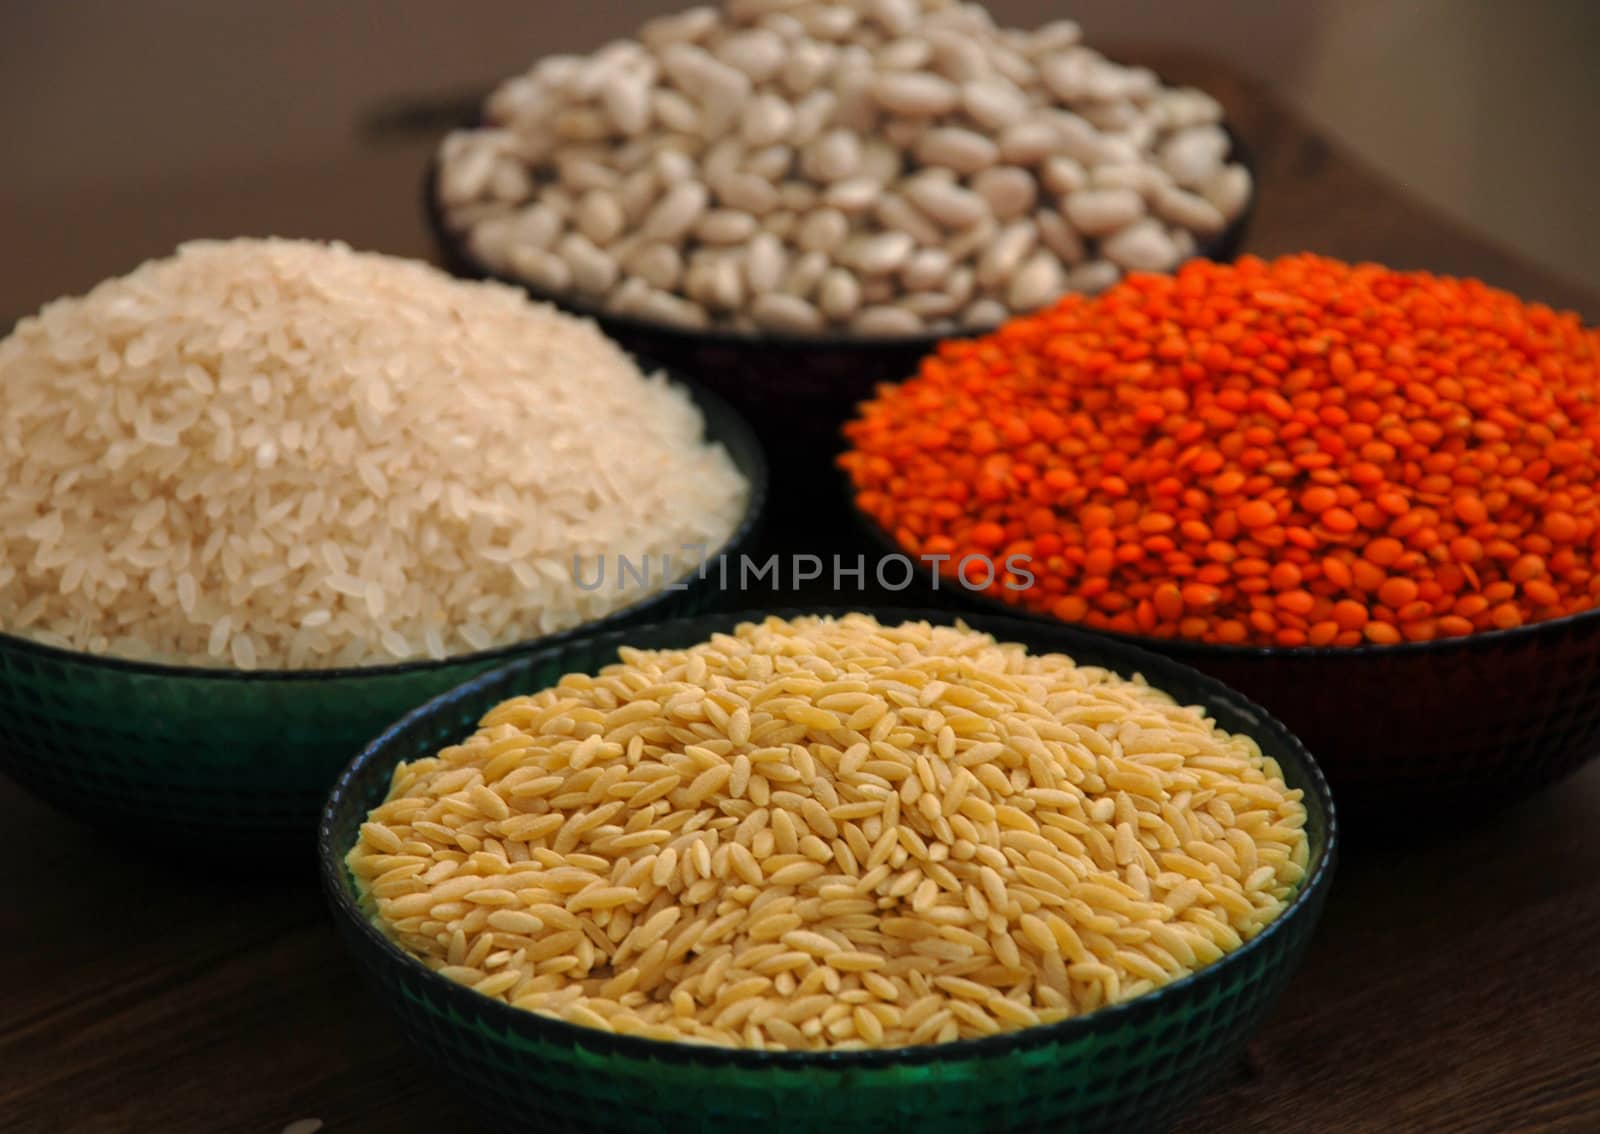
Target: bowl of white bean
[{"x": 797, "y": 199}]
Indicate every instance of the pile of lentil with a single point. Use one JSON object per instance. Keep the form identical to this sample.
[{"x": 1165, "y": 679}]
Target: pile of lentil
[
  {"x": 831, "y": 833},
  {"x": 1295, "y": 452}
]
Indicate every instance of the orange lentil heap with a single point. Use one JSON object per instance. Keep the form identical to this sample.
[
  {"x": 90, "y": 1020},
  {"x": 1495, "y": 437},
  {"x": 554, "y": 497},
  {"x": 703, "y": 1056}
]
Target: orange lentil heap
[{"x": 1295, "y": 452}]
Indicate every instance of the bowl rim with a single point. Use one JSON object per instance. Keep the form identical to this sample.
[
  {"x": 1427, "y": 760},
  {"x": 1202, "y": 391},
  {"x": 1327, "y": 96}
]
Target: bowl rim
[
  {"x": 339, "y": 889},
  {"x": 739, "y": 432},
  {"x": 1188, "y": 648},
  {"x": 454, "y": 254}
]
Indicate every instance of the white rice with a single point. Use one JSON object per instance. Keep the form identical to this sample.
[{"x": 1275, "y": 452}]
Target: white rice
[{"x": 284, "y": 454}]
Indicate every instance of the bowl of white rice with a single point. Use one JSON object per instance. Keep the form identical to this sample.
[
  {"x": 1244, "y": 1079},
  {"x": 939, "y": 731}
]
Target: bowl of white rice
[{"x": 264, "y": 495}]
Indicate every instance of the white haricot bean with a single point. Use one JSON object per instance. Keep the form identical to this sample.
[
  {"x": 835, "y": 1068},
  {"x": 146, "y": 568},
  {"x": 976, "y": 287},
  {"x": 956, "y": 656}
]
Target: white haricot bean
[
  {"x": 853, "y": 196},
  {"x": 781, "y": 223},
  {"x": 899, "y": 215},
  {"x": 1134, "y": 176},
  {"x": 879, "y": 255},
  {"x": 718, "y": 284},
  {"x": 1192, "y": 156},
  {"x": 465, "y": 171},
  {"x": 812, "y": 115},
  {"x": 1009, "y": 191},
  {"x": 968, "y": 242},
  {"x": 673, "y": 167},
  {"x": 688, "y": 26},
  {"x": 659, "y": 265},
  {"x": 984, "y": 314},
  {"x": 904, "y": 134},
  {"x": 835, "y": 156},
  {"x": 1189, "y": 210},
  {"x": 674, "y": 111},
  {"x": 897, "y": 17},
  {"x": 879, "y": 291},
  {"x": 764, "y": 263},
  {"x": 1112, "y": 117},
  {"x": 797, "y": 197},
  {"x": 839, "y": 294},
  {"x": 804, "y": 68},
  {"x": 726, "y": 155},
  {"x": 1003, "y": 257},
  {"x": 1228, "y": 190},
  {"x": 1143, "y": 246},
  {"x": 1061, "y": 175},
  {"x": 927, "y": 269},
  {"x": 863, "y": 166},
  {"x": 746, "y": 192},
  {"x": 509, "y": 182},
  {"x": 952, "y": 205},
  {"x": 767, "y": 120},
  {"x": 677, "y": 211},
  {"x": 1029, "y": 142},
  {"x": 663, "y": 307},
  {"x": 757, "y": 52},
  {"x": 931, "y": 305},
  {"x": 1096, "y": 211},
  {"x": 855, "y": 107},
  {"x": 823, "y": 230},
  {"x": 600, "y": 217},
  {"x": 776, "y": 311},
  {"x": 964, "y": 151},
  {"x": 628, "y": 296},
  {"x": 906, "y": 55},
  {"x": 1039, "y": 281},
  {"x": 544, "y": 270},
  {"x": 992, "y": 102},
  {"x": 1059, "y": 236},
  {"x": 726, "y": 226},
  {"x": 593, "y": 271},
  {"x": 1093, "y": 277},
  {"x": 828, "y": 22},
  {"x": 957, "y": 57},
  {"x": 804, "y": 274},
  {"x": 580, "y": 174},
  {"x": 920, "y": 95},
  {"x": 886, "y": 320},
  {"x": 1057, "y": 35},
  {"x": 536, "y": 226},
  {"x": 627, "y": 102},
  {"x": 881, "y": 162}
]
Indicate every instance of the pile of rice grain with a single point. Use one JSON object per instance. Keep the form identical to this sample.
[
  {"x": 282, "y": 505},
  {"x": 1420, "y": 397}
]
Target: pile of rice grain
[
  {"x": 833, "y": 834},
  {"x": 287, "y": 454}
]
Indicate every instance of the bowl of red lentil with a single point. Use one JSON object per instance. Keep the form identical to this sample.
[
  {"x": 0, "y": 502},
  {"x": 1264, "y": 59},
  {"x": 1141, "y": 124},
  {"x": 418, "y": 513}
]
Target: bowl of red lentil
[{"x": 1364, "y": 497}]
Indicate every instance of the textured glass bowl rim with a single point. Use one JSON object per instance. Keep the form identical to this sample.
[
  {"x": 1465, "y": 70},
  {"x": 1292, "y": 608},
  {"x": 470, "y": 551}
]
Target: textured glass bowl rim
[
  {"x": 736, "y": 426},
  {"x": 516, "y": 1021},
  {"x": 983, "y": 600},
  {"x": 459, "y": 260}
]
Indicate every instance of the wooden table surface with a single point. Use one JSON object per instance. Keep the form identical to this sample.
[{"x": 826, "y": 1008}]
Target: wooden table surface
[{"x": 1453, "y": 988}]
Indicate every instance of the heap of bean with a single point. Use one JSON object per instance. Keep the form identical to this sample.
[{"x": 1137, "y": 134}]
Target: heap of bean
[{"x": 880, "y": 167}]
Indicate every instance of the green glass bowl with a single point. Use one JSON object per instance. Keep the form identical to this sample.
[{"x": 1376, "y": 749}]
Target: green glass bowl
[
  {"x": 1128, "y": 1068},
  {"x": 179, "y": 754}
]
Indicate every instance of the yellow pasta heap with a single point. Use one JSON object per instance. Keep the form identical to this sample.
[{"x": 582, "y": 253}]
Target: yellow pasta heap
[{"x": 829, "y": 833}]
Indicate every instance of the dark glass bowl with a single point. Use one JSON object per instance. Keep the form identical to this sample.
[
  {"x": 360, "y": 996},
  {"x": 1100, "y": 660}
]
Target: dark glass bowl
[
  {"x": 1121, "y": 1069},
  {"x": 795, "y": 389},
  {"x": 1414, "y": 737},
  {"x": 177, "y": 754}
]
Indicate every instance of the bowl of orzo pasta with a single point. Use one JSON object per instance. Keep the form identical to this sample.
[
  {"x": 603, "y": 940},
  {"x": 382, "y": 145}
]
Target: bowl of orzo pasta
[
  {"x": 1326, "y": 484},
  {"x": 827, "y": 871},
  {"x": 263, "y": 496}
]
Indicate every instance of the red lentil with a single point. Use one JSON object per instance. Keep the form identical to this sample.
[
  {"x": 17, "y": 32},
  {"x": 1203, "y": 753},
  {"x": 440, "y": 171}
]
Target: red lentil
[{"x": 1292, "y": 452}]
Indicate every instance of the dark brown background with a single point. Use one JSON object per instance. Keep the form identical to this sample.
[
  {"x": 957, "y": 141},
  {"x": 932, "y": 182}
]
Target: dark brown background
[{"x": 1452, "y": 988}]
